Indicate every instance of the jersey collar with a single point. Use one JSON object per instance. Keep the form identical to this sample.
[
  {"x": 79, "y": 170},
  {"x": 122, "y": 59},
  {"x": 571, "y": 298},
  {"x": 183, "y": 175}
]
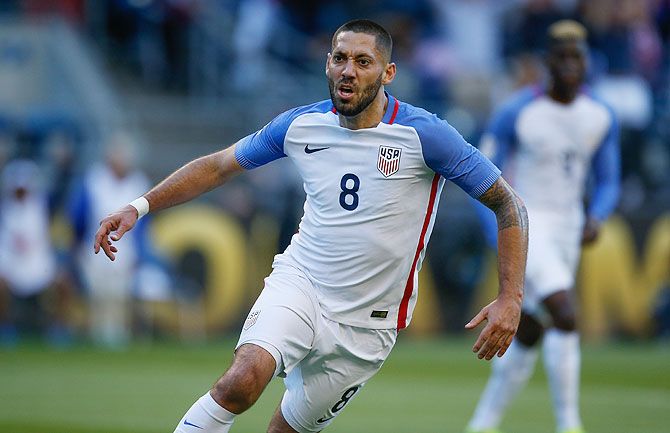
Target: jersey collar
[{"x": 391, "y": 109}]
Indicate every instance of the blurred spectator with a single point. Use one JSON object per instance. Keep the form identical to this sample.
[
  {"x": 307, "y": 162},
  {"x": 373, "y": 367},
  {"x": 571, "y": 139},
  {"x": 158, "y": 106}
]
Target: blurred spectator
[
  {"x": 59, "y": 155},
  {"x": 104, "y": 188},
  {"x": 478, "y": 52},
  {"x": 31, "y": 296},
  {"x": 152, "y": 38},
  {"x": 626, "y": 50},
  {"x": 626, "y": 58},
  {"x": 476, "y": 56},
  {"x": 251, "y": 39},
  {"x": 525, "y": 27}
]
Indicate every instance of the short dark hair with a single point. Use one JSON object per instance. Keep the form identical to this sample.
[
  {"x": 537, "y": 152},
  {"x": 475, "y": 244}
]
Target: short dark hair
[{"x": 382, "y": 37}]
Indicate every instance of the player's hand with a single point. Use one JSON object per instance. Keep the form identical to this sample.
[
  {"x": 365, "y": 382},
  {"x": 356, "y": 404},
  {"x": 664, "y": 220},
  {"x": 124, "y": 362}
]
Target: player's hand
[
  {"x": 119, "y": 222},
  {"x": 590, "y": 231},
  {"x": 502, "y": 317}
]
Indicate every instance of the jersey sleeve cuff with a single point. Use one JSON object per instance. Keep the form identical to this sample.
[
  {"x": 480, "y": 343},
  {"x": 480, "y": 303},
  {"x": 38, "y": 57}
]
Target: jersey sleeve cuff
[
  {"x": 242, "y": 159},
  {"x": 485, "y": 185}
]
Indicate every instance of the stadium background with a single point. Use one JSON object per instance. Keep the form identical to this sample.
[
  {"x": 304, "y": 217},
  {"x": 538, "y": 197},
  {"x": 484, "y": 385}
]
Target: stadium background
[{"x": 181, "y": 78}]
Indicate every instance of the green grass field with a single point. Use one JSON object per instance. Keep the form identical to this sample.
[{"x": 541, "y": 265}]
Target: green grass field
[{"x": 426, "y": 386}]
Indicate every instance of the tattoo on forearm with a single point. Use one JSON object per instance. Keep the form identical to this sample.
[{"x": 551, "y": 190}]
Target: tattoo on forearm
[{"x": 508, "y": 207}]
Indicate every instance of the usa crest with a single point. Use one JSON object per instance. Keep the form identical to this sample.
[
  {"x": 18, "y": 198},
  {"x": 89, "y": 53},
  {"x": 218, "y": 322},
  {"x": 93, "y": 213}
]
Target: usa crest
[{"x": 389, "y": 160}]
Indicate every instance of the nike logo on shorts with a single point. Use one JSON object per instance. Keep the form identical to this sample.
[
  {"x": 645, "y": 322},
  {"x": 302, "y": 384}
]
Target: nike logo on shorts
[
  {"x": 324, "y": 419},
  {"x": 314, "y": 149}
]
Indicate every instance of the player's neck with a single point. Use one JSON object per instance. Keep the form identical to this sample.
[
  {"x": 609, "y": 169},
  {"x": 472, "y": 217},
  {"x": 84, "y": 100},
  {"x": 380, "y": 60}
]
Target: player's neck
[
  {"x": 562, "y": 94},
  {"x": 370, "y": 117}
]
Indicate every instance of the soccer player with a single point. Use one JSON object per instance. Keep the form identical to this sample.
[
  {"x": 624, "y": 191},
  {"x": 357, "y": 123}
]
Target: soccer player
[
  {"x": 329, "y": 314},
  {"x": 553, "y": 138}
]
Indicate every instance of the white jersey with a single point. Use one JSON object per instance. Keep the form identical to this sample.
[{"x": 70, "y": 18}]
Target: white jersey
[
  {"x": 371, "y": 200},
  {"x": 548, "y": 149}
]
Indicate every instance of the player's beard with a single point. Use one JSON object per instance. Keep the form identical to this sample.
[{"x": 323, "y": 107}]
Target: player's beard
[{"x": 354, "y": 108}]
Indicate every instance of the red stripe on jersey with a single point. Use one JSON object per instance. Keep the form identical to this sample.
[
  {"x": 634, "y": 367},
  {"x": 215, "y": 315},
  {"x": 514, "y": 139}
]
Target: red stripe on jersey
[
  {"x": 395, "y": 111},
  {"x": 334, "y": 110},
  {"x": 409, "y": 286}
]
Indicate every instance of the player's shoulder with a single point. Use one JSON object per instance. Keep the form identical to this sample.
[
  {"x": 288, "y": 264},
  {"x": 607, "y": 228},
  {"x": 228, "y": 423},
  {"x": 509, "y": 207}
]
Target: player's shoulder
[
  {"x": 520, "y": 99},
  {"x": 319, "y": 107},
  {"x": 430, "y": 128},
  {"x": 425, "y": 123},
  {"x": 597, "y": 100},
  {"x": 278, "y": 127},
  {"x": 410, "y": 115}
]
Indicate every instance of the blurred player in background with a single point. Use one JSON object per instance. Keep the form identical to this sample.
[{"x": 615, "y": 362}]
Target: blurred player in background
[
  {"x": 551, "y": 140},
  {"x": 373, "y": 168}
]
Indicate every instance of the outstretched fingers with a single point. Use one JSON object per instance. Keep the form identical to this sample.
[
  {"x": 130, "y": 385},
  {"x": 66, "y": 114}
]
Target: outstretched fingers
[
  {"x": 102, "y": 240},
  {"x": 505, "y": 345},
  {"x": 491, "y": 346},
  {"x": 484, "y": 335},
  {"x": 475, "y": 321},
  {"x": 491, "y": 341},
  {"x": 102, "y": 237},
  {"x": 496, "y": 336}
]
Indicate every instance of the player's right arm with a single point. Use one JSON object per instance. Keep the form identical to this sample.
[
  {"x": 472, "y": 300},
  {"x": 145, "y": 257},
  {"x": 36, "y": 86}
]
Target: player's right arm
[
  {"x": 190, "y": 181},
  {"x": 201, "y": 175}
]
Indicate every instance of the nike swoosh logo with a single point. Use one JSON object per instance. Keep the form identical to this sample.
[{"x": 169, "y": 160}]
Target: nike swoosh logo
[
  {"x": 324, "y": 419},
  {"x": 191, "y": 424},
  {"x": 314, "y": 149}
]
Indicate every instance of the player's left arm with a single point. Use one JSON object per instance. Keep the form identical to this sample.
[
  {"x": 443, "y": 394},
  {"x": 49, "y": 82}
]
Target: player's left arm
[
  {"x": 447, "y": 153},
  {"x": 502, "y": 315},
  {"x": 606, "y": 169}
]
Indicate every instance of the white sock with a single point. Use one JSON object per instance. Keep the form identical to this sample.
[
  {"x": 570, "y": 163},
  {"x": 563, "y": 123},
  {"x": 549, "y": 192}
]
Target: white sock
[
  {"x": 561, "y": 361},
  {"x": 509, "y": 374},
  {"x": 206, "y": 416}
]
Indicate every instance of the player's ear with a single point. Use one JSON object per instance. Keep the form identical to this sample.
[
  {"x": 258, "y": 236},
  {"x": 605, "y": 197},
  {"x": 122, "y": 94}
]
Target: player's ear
[
  {"x": 327, "y": 63},
  {"x": 389, "y": 73}
]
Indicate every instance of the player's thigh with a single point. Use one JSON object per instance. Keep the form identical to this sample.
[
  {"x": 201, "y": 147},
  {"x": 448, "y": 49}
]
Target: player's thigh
[
  {"x": 344, "y": 358},
  {"x": 282, "y": 320},
  {"x": 551, "y": 265}
]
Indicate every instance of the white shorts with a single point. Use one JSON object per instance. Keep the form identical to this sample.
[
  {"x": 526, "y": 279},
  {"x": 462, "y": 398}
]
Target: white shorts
[
  {"x": 325, "y": 363},
  {"x": 553, "y": 255}
]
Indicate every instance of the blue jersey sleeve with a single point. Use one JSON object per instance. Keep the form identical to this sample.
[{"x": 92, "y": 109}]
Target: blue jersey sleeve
[
  {"x": 606, "y": 169},
  {"x": 267, "y": 144},
  {"x": 447, "y": 153},
  {"x": 499, "y": 139}
]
